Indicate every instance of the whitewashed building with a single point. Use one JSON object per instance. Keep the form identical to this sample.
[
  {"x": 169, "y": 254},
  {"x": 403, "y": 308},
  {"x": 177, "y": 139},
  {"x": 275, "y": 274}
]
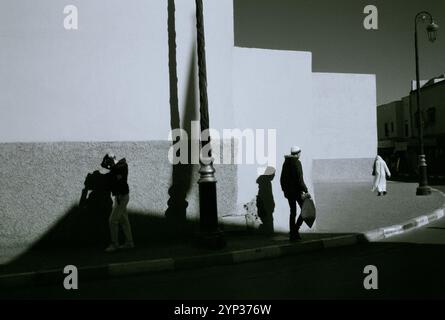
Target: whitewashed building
[{"x": 68, "y": 96}]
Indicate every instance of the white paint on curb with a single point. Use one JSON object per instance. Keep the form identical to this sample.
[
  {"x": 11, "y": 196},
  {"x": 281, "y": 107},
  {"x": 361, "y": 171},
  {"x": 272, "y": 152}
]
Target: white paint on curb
[
  {"x": 438, "y": 214},
  {"x": 375, "y": 235},
  {"x": 421, "y": 221},
  {"x": 116, "y": 269},
  {"x": 387, "y": 232},
  {"x": 393, "y": 230}
]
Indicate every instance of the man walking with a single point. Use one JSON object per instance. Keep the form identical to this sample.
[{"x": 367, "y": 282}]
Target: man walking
[
  {"x": 380, "y": 171},
  {"x": 121, "y": 193},
  {"x": 294, "y": 188}
]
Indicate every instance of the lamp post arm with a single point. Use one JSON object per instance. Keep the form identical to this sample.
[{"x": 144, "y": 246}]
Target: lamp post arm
[{"x": 423, "y": 14}]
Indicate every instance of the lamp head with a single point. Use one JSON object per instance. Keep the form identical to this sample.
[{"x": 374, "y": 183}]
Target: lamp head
[{"x": 432, "y": 30}]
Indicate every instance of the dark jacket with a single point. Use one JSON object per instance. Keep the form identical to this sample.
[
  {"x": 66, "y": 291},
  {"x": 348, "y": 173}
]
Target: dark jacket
[
  {"x": 100, "y": 186},
  {"x": 98, "y": 182},
  {"x": 119, "y": 173},
  {"x": 264, "y": 200},
  {"x": 292, "y": 182}
]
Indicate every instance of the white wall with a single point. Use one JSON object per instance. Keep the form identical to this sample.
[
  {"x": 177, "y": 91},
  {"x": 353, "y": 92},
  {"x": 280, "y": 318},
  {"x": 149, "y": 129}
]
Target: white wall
[
  {"x": 345, "y": 124},
  {"x": 219, "y": 40},
  {"x": 109, "y": 81},
  {"x": 59, "y": 85},
  {"x": 273, "y": 90}
]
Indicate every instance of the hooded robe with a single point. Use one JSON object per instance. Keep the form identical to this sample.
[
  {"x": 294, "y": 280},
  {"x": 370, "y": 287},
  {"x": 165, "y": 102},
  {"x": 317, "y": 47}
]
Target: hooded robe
[{"x": 381, "y": 170}]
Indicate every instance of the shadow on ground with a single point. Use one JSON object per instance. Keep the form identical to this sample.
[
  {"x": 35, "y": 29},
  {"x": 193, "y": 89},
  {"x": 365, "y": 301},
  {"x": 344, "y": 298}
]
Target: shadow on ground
[
  {"x": 405, "y": 271},
  {"x": 80, "y": 237}
]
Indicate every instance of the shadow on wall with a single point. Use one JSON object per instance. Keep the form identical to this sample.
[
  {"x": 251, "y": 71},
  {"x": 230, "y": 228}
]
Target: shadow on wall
[
  {"x": 86, "y": 225},
  {"x": 182, "y": 174}
]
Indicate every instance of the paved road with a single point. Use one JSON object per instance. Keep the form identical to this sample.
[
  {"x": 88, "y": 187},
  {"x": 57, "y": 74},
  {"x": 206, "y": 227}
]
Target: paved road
[{"x": 405, "y": 271}]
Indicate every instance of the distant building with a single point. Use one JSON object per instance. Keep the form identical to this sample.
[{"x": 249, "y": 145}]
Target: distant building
[{"x": 398, "y": 129}]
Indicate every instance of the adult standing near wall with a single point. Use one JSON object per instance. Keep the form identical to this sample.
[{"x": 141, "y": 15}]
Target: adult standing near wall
[
  {"x": 121, "y": 193},
  {"x": 294, "y": 188},
  {"x": 380, "y": 171}
]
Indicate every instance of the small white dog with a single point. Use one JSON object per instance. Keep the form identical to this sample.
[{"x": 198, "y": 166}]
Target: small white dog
[{"x": 252, "y": 219}]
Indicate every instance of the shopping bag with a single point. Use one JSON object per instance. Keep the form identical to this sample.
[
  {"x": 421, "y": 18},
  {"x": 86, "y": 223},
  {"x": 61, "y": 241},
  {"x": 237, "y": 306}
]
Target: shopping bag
[{"x": 308, "y": 212}]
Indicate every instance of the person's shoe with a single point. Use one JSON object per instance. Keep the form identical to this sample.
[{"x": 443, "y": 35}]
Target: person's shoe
[
  {"x": 379, "y": 194},
  {"x": 127, "y": 246},
  {"x": 111, "y": 248},
  {"x": 384, "y": 193}
]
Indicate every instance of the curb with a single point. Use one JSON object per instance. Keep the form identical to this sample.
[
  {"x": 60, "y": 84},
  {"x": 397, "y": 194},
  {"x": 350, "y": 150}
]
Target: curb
[
  {"x": 410, "y": 225},
  {"x": 56, "y": 276}
]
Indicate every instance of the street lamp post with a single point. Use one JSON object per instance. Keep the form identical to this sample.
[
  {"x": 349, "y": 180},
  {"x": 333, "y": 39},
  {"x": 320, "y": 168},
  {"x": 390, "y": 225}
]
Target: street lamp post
[
  {"x": 423, "y": 188},
  {"x": 210, "y": 235}
]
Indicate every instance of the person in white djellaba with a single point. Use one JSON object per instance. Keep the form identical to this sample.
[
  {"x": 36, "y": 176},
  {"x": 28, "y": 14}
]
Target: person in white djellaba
[{"x": 380, "y": 171}]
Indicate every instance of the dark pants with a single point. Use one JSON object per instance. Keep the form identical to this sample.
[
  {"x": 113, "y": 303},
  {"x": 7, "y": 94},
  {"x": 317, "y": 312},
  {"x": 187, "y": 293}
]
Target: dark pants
[{"x": 294, "y": 227}]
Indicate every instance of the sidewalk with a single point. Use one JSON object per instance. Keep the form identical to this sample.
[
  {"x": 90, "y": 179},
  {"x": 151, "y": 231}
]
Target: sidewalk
[
  {"x": 57, "y": 258},
  {"x": 346, "y": 212},
  {"x": 352, "y": 207},
  {"x": 43, "y": 267}
]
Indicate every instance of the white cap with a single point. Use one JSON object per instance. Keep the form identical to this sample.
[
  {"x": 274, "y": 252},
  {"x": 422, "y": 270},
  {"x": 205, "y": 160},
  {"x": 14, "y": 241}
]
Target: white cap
[
  {"x": 295, "y": 150},
  {"x": 110, "y": 154}
]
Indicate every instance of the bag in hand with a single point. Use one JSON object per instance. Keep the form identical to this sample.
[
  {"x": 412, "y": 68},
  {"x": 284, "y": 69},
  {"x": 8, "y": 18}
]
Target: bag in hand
[{"x": 308, "y": 212}]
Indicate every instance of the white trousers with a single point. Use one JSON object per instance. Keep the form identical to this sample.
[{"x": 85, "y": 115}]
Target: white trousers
[{"x": 118, "y": 217}]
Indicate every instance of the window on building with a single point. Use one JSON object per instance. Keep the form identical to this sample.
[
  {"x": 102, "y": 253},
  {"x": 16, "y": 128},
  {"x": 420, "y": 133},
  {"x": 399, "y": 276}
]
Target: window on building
[
  {"x": 406, "y": 129},
  {"x": 386, "y": 130},
  {"x": 392, "y": 127}
]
